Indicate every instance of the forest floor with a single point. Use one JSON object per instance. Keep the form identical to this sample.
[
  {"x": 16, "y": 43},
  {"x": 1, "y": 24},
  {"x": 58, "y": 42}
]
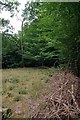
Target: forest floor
[{"x": 41, "y": 93}]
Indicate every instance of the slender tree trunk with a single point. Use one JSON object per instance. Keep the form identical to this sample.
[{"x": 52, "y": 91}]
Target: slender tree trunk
[{"x": 22, "y": 47}]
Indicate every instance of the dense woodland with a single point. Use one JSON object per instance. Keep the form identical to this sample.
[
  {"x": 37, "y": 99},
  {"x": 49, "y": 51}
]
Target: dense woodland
[{"x": 50, "y": 36}]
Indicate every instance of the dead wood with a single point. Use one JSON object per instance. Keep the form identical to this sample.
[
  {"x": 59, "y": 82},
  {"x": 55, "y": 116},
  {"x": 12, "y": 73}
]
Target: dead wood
[{"x": 61, "y": 101}]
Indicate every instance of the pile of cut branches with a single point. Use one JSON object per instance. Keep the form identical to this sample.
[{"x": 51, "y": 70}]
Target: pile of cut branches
[{"x": 60, "y": 103}]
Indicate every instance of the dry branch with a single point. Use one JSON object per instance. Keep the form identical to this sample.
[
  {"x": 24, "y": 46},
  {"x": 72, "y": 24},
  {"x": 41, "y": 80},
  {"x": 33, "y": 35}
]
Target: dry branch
[{"x": 59, "y": 102}]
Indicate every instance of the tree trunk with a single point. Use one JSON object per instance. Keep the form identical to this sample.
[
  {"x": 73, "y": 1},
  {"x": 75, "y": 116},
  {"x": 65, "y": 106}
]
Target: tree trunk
[{"x": 22, "y": 47}]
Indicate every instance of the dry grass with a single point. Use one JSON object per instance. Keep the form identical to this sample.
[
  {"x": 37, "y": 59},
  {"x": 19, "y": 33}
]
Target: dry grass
[{"x": 20, "y": 86}]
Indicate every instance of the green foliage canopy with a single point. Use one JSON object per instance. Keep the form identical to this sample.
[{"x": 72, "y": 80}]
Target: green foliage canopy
[{"x": 51, "y": 35}]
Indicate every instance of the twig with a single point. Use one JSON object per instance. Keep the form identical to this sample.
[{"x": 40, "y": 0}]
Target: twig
[{"x": 72, "y": 94}]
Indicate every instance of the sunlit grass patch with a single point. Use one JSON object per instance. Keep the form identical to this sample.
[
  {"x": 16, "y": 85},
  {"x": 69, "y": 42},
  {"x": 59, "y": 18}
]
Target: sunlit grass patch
[
  {"x": 14, "y": 80},
  {"x": 22, "y": 83},
  {"x": 22, "y": 91},
  {"x": 36, "y": 87}
]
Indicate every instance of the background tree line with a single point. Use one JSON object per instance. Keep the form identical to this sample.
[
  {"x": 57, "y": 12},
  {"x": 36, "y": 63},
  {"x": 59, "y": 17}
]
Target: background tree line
[{"x": 50, "y": 36}]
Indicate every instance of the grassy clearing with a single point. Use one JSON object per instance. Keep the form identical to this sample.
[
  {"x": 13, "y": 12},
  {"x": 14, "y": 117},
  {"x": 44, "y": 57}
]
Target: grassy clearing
[{"x": 22, "y": 83}]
